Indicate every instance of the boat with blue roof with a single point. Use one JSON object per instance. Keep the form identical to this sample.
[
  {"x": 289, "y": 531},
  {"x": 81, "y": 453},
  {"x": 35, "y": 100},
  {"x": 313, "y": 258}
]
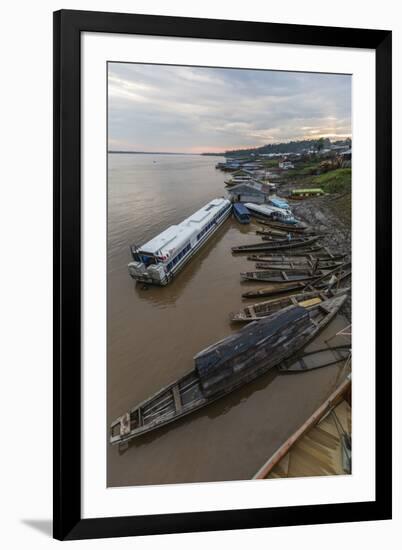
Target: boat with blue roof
[{"x": 241, "y": 213}]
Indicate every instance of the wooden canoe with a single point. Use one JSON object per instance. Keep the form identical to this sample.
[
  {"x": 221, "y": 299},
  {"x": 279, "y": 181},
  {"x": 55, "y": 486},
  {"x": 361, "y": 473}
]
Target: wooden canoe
[
  {"x": 264, "y": 309},
  {"x": 316, "y": 359},
  {"x": 292, "y": 228},
  {"x": 227, "y": 365},
  {"x": 302, "y": 257},
  {"x": 275, "y": 276},
  {"x": 282, "y": 245},
  {"x": 295, "y": 238},
  {"x": 292, "y": 266},
  {"x": 318, "y": 446},
  {"x": 274, "y": 289},
  {"x": 277, "y": 233},
  {"x": 330, "y": 279}
]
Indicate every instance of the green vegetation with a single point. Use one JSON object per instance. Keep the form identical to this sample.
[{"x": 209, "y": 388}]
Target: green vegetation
[
  {"x": 273, "y": 163},
  {"x": 335, "y": 181}
]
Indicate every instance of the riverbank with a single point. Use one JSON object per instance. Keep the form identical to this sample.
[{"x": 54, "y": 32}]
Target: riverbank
[{"x": 330, "y": 215}]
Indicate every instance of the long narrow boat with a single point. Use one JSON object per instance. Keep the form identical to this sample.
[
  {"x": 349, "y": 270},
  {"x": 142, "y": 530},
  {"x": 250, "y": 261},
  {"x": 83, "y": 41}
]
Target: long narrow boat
[
  {"x": 264, "y": 309},
  {"x": 282, "y": 245},
  {"x": 330, "y": 279},
  {"x": 274, "y": 289},
  {"x": 316, "y": 359},
  {"x": 295, "y": 238},
  {"x": 320, "y": 253},
  {"x": 281, "y": 276},
  {"x": 226, "y": 366},
  {"x": 277, "y": 232},
  {"x": 284, "y": 226},
  {"x": 292, "y": 265},
  {"x": 321, "y": 445},
  {"x": 287, "y": 238}
]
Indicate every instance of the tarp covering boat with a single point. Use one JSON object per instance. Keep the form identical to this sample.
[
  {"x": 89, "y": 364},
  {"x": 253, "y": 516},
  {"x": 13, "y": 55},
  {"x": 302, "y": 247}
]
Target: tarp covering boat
[{"x": 227, "y": 362}]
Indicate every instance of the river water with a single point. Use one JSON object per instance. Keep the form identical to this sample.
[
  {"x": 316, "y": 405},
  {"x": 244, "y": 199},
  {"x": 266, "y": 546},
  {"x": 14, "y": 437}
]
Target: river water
[{"x": 153, "y": 334}]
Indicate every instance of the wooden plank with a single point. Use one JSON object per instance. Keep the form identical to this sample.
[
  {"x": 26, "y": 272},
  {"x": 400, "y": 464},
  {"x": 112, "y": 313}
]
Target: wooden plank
[
  {"x": 284, "y": 276},
  {"x": 177, "y": 399}
]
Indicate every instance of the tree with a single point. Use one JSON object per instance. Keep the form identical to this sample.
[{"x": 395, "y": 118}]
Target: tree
[{"x": 320, "y": 144}]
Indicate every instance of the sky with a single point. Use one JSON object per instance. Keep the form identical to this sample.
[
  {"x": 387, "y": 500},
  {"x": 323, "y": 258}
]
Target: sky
[{"x": 197, "y": 109}]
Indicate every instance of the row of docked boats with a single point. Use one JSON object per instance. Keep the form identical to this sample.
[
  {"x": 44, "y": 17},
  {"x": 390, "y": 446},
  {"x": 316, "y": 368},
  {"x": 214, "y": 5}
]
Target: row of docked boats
[
  {"x": 327, "y": 280},
  {"x": 306, "y": 297}
]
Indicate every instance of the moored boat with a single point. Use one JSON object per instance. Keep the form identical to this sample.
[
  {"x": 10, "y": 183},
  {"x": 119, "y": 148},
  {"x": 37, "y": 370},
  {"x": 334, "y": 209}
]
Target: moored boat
[
  {"x": 284, "y": 215},
  {"x": 295, "y": 228},
  {"x": 227, "y": 365},
  {"x": 319, "y": 253},
  {"x": 316, "y": 359},
  {"x": 264, "y": 309},
  {"x": 279, "y": 233},
  {"x": 279, "y": 245},
  {"x": 241, "y": 213},
  {"x": 161, "y": 258},
  {"x": 276, "y": 276},
  {"x": 292, "y": 265},
  {"x": 328, "y": 280},
  {"x": 274, "y": 289}
]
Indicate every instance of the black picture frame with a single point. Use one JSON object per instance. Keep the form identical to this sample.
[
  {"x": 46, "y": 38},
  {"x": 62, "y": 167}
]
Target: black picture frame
[{"x": 68, "y": 26}]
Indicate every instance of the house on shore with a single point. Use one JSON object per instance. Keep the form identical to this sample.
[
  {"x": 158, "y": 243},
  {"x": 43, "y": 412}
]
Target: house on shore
[
  {"x": 346, "y": 159},
  {"x": 286, "y": 165},
  {"x": 251, "y": 191}
]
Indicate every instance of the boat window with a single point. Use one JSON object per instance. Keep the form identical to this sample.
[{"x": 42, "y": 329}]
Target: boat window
[{"x": 178, "y": 257}]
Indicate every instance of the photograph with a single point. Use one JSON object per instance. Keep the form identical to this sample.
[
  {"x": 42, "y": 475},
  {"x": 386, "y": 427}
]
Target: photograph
[{"x": 229, "y": 335}]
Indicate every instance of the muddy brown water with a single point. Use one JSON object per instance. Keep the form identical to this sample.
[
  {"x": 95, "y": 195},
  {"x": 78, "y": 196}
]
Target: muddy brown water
[{"x": 154, "y": 333}]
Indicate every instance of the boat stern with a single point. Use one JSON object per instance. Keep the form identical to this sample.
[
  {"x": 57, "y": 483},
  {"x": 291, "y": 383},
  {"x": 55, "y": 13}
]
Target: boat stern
[{"x": 153, "y": 274}]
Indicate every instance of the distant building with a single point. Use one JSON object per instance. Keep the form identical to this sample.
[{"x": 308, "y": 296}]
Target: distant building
[
  {"x": 286, "y": 165},
  {"x": 346, "y": 157}
]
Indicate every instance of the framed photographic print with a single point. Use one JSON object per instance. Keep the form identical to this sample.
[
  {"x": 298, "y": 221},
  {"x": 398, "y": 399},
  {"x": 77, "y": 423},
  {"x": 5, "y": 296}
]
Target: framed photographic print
[{"x": 222, "y": 208}]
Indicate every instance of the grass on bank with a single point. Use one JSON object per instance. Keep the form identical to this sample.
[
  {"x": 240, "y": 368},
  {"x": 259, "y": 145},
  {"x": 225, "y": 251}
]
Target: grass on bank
[{"x": 335, "y": 181}]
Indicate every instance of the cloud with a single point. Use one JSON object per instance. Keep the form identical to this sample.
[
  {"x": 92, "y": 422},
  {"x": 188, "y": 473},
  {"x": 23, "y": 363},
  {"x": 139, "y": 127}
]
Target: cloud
[{"x": 196, "y": 109}]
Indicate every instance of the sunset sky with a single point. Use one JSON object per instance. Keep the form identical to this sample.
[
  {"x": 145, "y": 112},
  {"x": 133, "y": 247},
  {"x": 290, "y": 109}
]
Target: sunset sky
[{"x": 196, "y": 109}]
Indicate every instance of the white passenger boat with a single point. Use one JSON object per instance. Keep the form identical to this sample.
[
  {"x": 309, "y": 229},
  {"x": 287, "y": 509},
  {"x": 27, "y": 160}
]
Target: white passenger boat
[
  {"x": 160, "y": 259},
  {"x": 283, "y": 215}
]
